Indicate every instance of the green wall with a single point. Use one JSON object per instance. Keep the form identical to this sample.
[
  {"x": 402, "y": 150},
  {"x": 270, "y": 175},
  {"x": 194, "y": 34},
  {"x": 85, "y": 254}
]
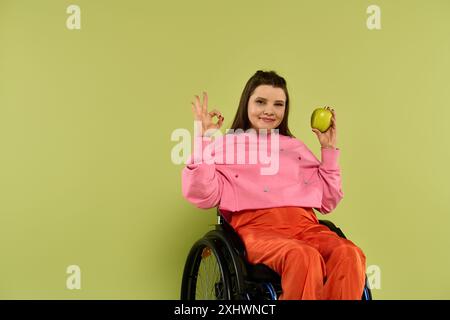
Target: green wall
[{"x": 86, "y": 116}]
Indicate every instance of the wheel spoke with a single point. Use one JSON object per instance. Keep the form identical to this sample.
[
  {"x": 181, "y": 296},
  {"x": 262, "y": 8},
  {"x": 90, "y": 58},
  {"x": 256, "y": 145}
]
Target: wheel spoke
[{"x": 208, "y": 277}]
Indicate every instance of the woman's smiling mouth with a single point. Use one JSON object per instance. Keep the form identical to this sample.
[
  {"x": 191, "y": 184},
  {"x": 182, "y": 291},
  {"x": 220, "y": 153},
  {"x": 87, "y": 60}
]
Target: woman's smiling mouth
[{"x": 267, "y": 119}]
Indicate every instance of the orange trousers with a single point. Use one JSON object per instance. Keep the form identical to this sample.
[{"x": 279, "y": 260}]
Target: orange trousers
[{"x": 312, "y": 261}]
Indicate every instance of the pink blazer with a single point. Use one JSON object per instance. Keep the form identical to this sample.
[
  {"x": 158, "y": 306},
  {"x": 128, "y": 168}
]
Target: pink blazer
[{"x": 299, "y": 179}]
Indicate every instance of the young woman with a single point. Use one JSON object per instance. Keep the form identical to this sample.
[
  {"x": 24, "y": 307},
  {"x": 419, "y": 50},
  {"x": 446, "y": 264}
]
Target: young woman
[{"x": 273, "y": 213}]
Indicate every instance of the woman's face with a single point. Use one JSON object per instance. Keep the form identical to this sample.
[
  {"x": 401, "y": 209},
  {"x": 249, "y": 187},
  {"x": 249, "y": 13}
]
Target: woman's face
[{"x": 266, "y": 107}]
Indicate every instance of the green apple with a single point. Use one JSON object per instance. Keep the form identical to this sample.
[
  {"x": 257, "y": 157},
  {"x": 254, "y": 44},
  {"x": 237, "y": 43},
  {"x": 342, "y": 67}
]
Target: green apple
[{"x": 321, "y": 119}]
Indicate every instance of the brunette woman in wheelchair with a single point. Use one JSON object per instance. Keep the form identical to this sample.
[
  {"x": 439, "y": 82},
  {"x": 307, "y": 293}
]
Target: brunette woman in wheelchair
[{"x": 268, "y": 242}]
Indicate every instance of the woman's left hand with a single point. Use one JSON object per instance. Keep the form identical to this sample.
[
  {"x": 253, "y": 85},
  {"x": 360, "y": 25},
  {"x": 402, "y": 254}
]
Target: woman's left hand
[{"x": 327, "y": 139}]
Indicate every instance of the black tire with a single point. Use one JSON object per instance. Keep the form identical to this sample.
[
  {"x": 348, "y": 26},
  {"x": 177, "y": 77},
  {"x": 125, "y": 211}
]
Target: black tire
[
  {"x": 206, "y": 256},
  {"x": 235, "y": 265}
]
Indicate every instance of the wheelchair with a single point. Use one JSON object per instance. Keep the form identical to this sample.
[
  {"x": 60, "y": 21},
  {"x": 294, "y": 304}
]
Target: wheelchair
[{"x": 216, "y": 268}]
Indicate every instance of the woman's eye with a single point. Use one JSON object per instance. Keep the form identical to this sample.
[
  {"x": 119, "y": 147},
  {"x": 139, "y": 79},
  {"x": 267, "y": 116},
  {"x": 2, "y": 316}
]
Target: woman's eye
[{"x": 259, "y": 101}]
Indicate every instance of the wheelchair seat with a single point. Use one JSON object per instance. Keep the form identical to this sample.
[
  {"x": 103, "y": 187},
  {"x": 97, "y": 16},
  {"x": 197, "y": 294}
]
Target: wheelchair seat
[{"x": 261, "y": 272}]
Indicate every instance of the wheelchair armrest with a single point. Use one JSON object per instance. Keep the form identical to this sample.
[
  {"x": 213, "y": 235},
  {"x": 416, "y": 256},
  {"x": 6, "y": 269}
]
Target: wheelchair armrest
[
  {"x": 235, "y": 239},
  {"x": 333, "y": 228},
  {"x": 232, "y": 235}
]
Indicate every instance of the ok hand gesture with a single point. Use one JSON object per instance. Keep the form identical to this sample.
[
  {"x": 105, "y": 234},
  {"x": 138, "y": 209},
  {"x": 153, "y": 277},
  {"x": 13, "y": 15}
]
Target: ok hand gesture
[{"x": 200, "y": 111}]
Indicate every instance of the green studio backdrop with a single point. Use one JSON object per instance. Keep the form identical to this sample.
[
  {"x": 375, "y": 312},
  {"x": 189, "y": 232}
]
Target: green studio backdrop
[{"x": 86, "y": 117}]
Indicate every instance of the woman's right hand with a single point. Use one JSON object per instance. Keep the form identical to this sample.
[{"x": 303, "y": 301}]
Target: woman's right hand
[{"x": 200, "y": 111}]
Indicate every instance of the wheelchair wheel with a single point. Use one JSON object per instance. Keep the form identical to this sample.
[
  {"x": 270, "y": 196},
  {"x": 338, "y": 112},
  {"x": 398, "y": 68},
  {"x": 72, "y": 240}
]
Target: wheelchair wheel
[{"x": 206, "y": 276}]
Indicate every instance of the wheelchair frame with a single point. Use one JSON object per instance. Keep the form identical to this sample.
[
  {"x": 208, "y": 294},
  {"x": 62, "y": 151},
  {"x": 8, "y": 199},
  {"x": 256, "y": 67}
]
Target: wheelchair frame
[{"x": 240, "y": 280}]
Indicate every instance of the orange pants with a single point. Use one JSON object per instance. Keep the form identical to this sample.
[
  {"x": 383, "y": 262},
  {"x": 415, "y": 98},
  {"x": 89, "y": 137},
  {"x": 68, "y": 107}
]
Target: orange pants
[{"x": 312, "y": 261}]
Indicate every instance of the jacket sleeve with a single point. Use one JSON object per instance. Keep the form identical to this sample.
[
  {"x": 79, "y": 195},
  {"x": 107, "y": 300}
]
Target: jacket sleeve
[
  {"x": 330, "y": 174},
  {"x": 201, "y": 184}
]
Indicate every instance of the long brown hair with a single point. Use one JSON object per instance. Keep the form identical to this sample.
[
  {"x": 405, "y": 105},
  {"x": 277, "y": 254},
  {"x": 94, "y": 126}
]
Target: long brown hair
[{"x": 241, "y": 120}]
